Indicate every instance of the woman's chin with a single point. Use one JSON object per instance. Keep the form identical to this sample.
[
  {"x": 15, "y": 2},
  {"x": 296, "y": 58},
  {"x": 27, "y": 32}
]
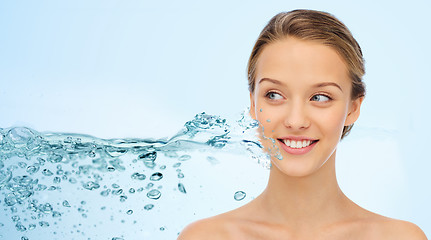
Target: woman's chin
[{"x": 292, "y": 169}]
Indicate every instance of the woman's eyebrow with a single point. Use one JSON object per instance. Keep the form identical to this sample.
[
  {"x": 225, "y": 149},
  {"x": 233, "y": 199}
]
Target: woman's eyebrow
[
  {"x": 271, "y": 80},
  {"x": 322, "y": 84}
]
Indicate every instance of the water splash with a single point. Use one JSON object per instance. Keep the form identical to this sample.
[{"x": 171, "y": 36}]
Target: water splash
[{"x": 46, "y": 179}]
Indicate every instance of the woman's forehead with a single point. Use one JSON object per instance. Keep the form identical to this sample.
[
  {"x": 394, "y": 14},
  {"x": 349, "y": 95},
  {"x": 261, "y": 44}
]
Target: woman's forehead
[{"x": 292, "y": 58}]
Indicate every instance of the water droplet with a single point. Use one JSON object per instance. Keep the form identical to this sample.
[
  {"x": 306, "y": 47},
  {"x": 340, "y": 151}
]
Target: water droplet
[
  {"x": 129, "y": 212},
  {"x": 260, "y": 110},
  {"x": 31, "y": 226},
  {"x": 19, "y": 227},
  {"x": 154, "y": 194},
  {"x": 239, "y": 195},
  {"x": 56, "y": 180},
  {"x": 148, "y": 207},
  {"x": 32, "y": 169},
  {"x": 56, "y": 214},
  {"x": 13, "y": 210},
  {"x": 5, "y": 177},
  {"x": 15, "y": 218},
  {"x": 178, "y": 164},
  {"x": 138, "y": 176},
  {"x": 181, "y": 188},
  {"x": 44, "y": 224},
  {"x": 46, "y": 208},
  {"x": 268, "y": 120},
  {"x": 21, "y": 136},
  {"x": 10, "y": 199},
  {"x": 117, "y": 192},
  {"x": 115, "y": 185},
  {"x": 123, "y": 198},
  {"x": 22, "y": 164},
  {"x": 24, "y": 238},
  {"x": 131, "y": 190},
  {"x": 55, "y": 158},
  {"x": 162, "y": 229},
  {"x": 66, "y": 203},
  {"x": 47, "y": 172},
  {"x": 115, "y": 152},
  {"x": 180, "y": 175},
  {"x": 184, "y": 158},
  {"x": 105, "y": 192},
  {"x": 212, "y": 160},
  {"x": 151, "y": 156},
  {"x": 117, "y": 238},
  {"x": 156, "y": 176},
  {"x": 90, "y": 185},
  {"x": 92, "y": 154}
]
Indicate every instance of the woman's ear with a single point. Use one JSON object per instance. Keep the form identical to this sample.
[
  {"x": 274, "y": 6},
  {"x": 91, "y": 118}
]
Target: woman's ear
[
  {"x": 252, "y": 107},
  {"x": 354, "y": 111}
]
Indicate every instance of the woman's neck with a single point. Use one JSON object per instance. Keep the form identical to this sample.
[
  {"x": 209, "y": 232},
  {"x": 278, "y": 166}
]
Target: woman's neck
[{"x": 307, "y": 202}]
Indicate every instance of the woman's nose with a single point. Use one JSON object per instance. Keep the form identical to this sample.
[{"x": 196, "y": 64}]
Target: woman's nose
[{"x": 296, "y": 117}]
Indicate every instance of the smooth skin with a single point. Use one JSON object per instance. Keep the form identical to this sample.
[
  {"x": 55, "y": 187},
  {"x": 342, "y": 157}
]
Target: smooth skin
[{"x": 303, "y": 89}]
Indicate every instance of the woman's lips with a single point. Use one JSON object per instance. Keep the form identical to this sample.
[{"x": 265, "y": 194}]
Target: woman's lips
[{"x": 297, "y": 147}]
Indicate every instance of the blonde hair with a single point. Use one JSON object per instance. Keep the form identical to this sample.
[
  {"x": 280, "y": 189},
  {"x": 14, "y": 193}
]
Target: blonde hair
[{"x": 314, "y": 26}]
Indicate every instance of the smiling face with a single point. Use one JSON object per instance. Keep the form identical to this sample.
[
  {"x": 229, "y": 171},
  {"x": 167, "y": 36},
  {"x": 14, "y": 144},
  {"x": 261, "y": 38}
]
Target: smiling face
[{"x": 302, "y": 101}]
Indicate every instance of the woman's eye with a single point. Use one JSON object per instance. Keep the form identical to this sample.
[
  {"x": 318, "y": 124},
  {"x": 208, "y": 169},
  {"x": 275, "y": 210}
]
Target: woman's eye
[
  {"x": 273, "y": 96},
  {"x": 320, "y": 98}
]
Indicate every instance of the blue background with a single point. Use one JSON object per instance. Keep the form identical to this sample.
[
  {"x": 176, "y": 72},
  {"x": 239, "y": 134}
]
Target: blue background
[{"x": 143, "y": 68}]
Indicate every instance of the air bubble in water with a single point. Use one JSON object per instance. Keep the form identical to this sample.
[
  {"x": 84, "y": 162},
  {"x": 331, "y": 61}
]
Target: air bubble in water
[
  {"x": 21, "y": 228},
  {"x": 32, "y": 169},
  {"x": 129, "y": 212},
  {"x": 154, "y": 194},
  {"x": 184, "y": 158},
  {"x": 55, "y": 158},
  {"x": 181, "y": 188},
  {"x": 47, "y": 172},
  {"x": 138, "y": 176},
  {"x": 178, "y": 164},
  {"x": 90, "y": 185},
  {"x": 22, "y": 164},
  {"x": 148, "y": 207},
  {"x": 66, "y": 203},
  {"x": 156, "y": 176},
  {"x": 212, "y": 160},
  {"x": 239, "y": 195},
  {"x": 105, "y": 192},
  {"x": 44, "y": 224}
]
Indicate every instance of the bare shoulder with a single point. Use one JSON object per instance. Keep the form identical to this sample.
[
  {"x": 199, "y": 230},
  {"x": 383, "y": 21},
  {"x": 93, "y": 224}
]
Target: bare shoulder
[
  {"x": 228, "y": 225},
  {"x": 209, "y": 228},
  {"x": 399, "y": 229}
]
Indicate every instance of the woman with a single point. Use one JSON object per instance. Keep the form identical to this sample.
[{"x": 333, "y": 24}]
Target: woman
[{"x": 306, "y": 89}]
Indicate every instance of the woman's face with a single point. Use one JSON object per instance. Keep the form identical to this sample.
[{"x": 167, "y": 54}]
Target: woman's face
[{"x": 302, "y": 101}]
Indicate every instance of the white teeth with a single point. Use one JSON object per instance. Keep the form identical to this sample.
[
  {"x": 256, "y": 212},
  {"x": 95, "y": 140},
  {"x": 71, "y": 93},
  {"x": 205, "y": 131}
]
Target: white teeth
[{"x": 297, "y": 144}]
